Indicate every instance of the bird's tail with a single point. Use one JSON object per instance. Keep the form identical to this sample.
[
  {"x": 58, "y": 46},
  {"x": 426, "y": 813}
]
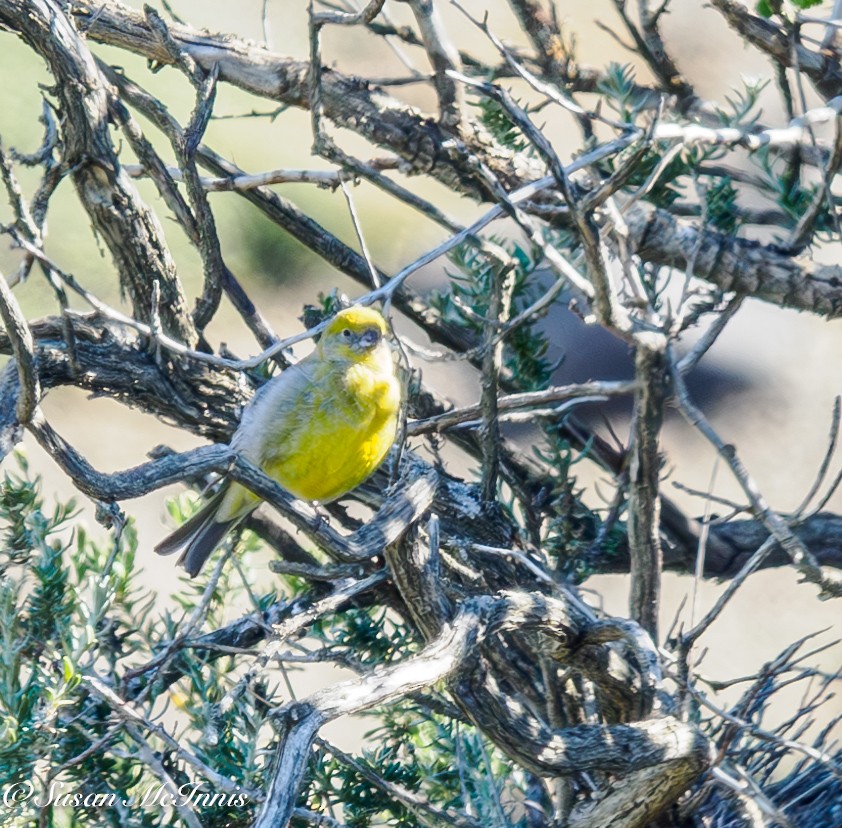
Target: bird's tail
[{"x": 199, "y": 536}]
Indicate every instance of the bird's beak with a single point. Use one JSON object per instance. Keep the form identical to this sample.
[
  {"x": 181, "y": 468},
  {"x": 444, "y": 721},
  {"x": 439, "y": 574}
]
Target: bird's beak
[{"x": 368, "y": 339}]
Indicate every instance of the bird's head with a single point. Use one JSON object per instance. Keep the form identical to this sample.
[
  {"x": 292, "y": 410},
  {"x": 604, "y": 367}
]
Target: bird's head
[{"x": 353, "y": 334}]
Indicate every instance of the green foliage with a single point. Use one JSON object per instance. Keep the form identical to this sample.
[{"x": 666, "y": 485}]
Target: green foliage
[
  {"x": 568, "y": 525},
  {"x": 466, "y": 304},
  {"x": 371, "y": 637},
  {"x": 778, "y": 175},
  {"x": 77, "y": 632},
  {"x": 782, "y": 183},
  {"x": 73, "y": 620},
  {"x": 720, "y": 205},
  {"x": 527, "y": 346},
  {"x": 663, "y": 182},
  {"x": 743, "y": 103},
  {"x": 496, "y": 120},
  {"x": 618, "y": 86},
  {"x": 57, "y": 618},
  {"x": 329, "y": 304},
  {"x": 768, "y": 8},
  {"x": 434, "y": 758}
]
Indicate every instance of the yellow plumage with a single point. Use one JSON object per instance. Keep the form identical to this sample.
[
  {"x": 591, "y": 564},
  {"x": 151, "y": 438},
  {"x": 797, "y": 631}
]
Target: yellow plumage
[{"x": 319, "y": 429}]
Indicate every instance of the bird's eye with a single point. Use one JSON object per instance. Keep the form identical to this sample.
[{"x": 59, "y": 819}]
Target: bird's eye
[{"x": 347, "y": 333}]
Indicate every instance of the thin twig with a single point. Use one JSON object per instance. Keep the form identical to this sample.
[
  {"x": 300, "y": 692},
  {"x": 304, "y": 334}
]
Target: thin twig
[
  {"x": 833, "y": 438},
  {"x": 355, "y": 219},
  {"x": 511, "y": 402}
]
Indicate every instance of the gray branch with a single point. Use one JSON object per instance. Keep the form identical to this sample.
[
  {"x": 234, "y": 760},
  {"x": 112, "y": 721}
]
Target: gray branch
[
  {"x": 453, "y": 655},
  {"x": 129, "y": 228}
]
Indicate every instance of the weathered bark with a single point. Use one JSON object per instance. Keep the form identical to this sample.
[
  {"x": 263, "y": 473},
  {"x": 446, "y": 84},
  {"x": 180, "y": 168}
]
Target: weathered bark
[
  {"x": 644, "y": 526},
  {"x": 736, "y": 264},
  {"x": 658, "y": 745},
  {"x": 128, "y": 227}
]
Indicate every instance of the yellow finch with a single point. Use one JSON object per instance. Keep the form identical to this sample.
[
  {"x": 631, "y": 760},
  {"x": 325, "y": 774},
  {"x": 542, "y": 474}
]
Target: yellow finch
[{"x": 319, "y": 429}]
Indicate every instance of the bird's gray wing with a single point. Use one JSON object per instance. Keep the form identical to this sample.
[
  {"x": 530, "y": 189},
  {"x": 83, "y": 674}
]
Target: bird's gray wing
[{"x": 281, "y": 407}]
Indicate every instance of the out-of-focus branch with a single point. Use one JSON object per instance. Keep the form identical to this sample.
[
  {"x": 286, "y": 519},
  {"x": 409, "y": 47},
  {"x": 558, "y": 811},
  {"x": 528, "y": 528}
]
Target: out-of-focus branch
[
  {"x": 650, "y": 44},
  {"x": 731, "y": 545},
  {"x": 830, "y": 582},
  {"x": 545, "y": 34},
  {"x": 364, "y": 16}
]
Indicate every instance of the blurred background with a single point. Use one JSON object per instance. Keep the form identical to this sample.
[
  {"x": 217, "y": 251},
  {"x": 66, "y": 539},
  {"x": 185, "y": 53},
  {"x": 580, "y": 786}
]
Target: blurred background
[{"x": 768, "y": 385}]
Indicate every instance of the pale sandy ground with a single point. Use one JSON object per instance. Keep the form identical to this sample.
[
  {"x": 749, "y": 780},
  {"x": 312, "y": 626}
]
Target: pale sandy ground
[{"x": 779, "y": 425}]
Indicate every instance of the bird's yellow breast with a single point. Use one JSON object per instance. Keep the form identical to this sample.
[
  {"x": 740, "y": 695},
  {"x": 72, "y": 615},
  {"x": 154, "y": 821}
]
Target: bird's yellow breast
[{"x": 348, "y": 437}]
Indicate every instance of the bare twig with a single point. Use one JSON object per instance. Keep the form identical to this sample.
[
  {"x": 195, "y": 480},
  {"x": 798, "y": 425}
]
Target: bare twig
[
  {"x": 598, "y": 287},
  {"x": 650, "y": 45},
  {"x": 443, "y": 57},
  {"x": 355, "y": 220},
  {"x": 821, "y": 66},
  {"x": 512, "y": 402},
  {"x": 131, "y": 233},
  {"x": 321, "y": 178},
  {"x": 833, "y": 437},
  {"x": 691, "y": 359}
]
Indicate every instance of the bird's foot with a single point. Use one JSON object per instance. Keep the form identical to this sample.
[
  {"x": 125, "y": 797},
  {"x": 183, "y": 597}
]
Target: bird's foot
[{"x": 322, "y": 515}]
